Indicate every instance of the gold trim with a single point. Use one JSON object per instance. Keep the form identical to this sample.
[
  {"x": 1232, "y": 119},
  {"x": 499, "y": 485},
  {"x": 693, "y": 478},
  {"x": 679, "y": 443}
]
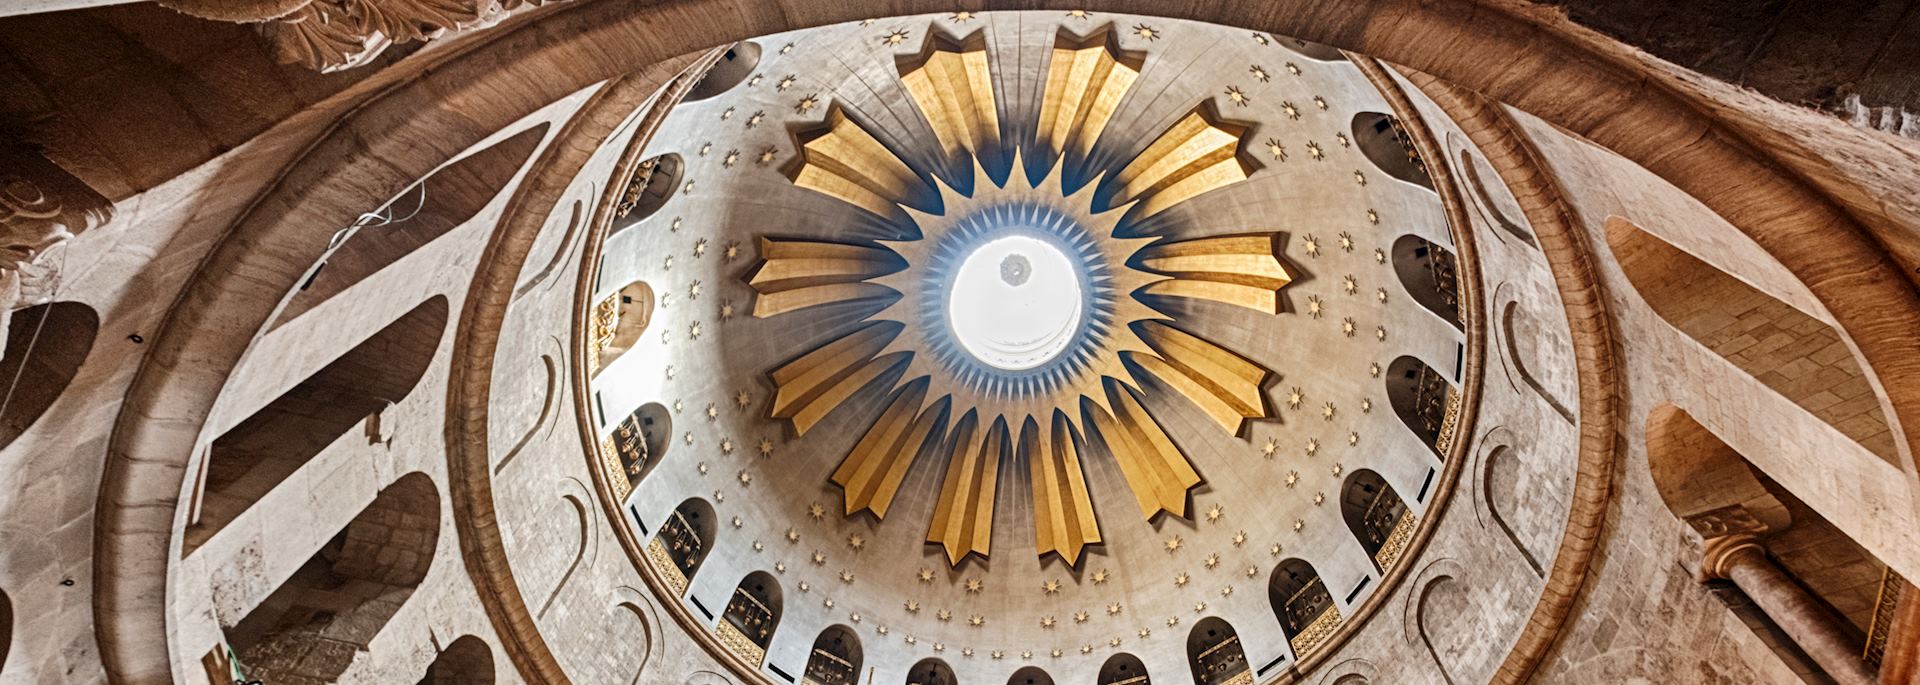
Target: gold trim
[
  {"x": 1885, "y": 604},
  {"x": 1316, "y": 633},
  {"x": 741, "y": 645},
  {"x": 663, "y": 565},
  {"x": 1396, "y": 542}
]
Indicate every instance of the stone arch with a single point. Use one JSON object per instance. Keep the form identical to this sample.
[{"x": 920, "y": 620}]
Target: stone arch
[
  {"x": 442, "y": 201},
  {"x": 1388, "y": 146},
  {"x": 1214, "y": 653},
  {"x": 253, "y": 457},
  {"x": 683, "y": 542},
  {"x": 751, "y": 616},
  {"x": 576, "y": 219},
  {"x": 549, "y": 398},
  {"x": 1377, "y": 516},
  {"x": 584, "y": 519},
  {"x": 733, "y": 67},
  {"x": 1424, "y": 400},
  {"x": 638, "y": 605},
  {"x": 651, "y": 186},
  {"x": 1483, "y": 198},
  {"x": 1350, "y": 672},
  {"x": 1430, "y": 275},
  {"x": 1801, "y": 357},
  {"x": 1123, "y": 669},
  {"x": 312, "y": 626},
  {"x": 835, "y": 658},
  {"x": 1498, "y": 476},
  {"x": 1302, "y": 604},
  {"x": 1030, "y": 675},
  {"x": 468, "y": 660},
  {"x": 1702, "y": 480},
  {"x": 931, "y": 671},
  {"x": 1517, "y": 328},
  {"x": 1443, "y": 609},
  {"x": 619, "y": 321},
  {"x": 46, "y": 344}
]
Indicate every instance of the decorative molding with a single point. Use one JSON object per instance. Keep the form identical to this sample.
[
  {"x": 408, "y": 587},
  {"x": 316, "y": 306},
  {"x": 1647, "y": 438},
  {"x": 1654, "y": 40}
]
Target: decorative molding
[
  {"x": 334, "y": 35},
  {"x": 41, "y": 208}
]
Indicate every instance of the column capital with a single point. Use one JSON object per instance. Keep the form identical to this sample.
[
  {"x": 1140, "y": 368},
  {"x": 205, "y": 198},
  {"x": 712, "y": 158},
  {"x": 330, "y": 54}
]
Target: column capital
[{"x": 1720, "y": 554}]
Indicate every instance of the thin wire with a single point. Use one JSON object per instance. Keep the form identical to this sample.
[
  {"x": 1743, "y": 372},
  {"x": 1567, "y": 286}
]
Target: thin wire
[
  {"x": 35, "y": 340},
  {"x": 383, "y": 216}
]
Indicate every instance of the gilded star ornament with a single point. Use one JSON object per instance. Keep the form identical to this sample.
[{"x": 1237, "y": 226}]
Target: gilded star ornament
[
  {"x": 1100, "y": 577},
  {"x": 1237, "y": 96},
  {"x": 897, "y": 37},
  {"x": 754, "y": 119},
  {"x": 1145, "y": 31},
  {"x": 1259, "y": 73},
  {"x": 1092, "y": 390},
  {"x": 1050, "y": 587},
  {"x": 1276, "y": 150},
  {"x": 806, "y": 104}
]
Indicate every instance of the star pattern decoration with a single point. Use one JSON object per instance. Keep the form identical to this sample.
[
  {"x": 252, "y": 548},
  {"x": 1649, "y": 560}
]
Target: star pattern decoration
[
  {"x": 1379, "y": 256},
  {"x": 1313, "y": 446},
  {"x": 1080, "y": 617},
  {"x": 1270, "y": 449},
  {"x": 1311, "y": 245},
  {"x": 1276, "y": 150},
  {"x": 1295, "y": 397},
  {"x": 1314, "y": 306},
  {"x": 1173, "y": 544},
  {"x": 1346, "y": 241},
  {"x": 961, "y": 16},
  {"x": 1337, "y": 468},
  {"x": 897, "y": 37},
  {"x": 1113, "y": 609},
  {"x": 1347, "y": 327},
  {"x": 806, "y": 104},
  {"x": 856, "y": 542},
  {"x": 1212, "y": 560},
  {"x": 765, "y": 158},
  {"x": 1320, "y": 102},
  {"x": 1100, "y": 577},
  {"x": 1259, "y": 73},
  {"x": 712, "y": 412},
  {"x": 1373, "y": 216},
  {"x": 1237, "y": 96},
  {"x": 704, "y": 149},
  {"x": 1291, "y": 111},
  {"x": 1145, "y": 31},
  {"x": 1349, "y": 284},
  {"x": 1181, "y": 579},
  {"x": 816, "y": 511},
  {"x": 1261, "y": 38},
  {"x": 1293, "y": 477},
  {"x": 785, "y": 82},
  {"x": 1215, "y": 513},
  {"x": 766, "y": 450},
  {"x": 725, "y": 115},
  {"x": 1314, "y": 151},
  {"x": 1239, "y": 538},
  {"x": 732, "y": 158},
  {"x": 726, "y": 310},
  {"x": 1050, "y": 587},
  {"x": 925, "y": 575},
  {"x": 1343, "y": 140},
  {"x": 726, "y": 445},
  {"x": 974, "y": 586},
  {"x": 742, "y": 399},
  {"x": 700, "y": 246},
  {"x": 1293, "y": 68}
]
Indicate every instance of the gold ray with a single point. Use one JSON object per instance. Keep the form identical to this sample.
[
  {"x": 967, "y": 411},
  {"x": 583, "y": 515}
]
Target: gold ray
[
  {"x": 1085, "y": 80},
  {"x": 1224, "y": 385},
  {"x": 848, "y": 163},
  {"x": 872, "y": 472},
  {"x": 1239, "y": 270},
  {"x": 954, "y": 90},
  {"x": 1199, "y": 153},
  {"x": 797, "y": 274},
  {"x": 1063, "y": 521},
  {"x": 1155, "y": 469},
  {"x": 809, "y": 387},
  {"x": 963, "y": 517}
]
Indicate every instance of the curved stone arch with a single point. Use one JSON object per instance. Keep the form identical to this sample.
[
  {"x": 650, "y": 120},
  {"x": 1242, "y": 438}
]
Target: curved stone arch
[
  {"x": 1704, "y": 482},
  {"x": 1497, "y": 447},
  {"x": 641, "y": 607},
  {"x": 1413, "y": 608},
  {"x": 56, "y": 337},
  {"x": 544, "y": 420},
  {"x": 1511, "y": 349},
  {"x": 576, "y": 220},
  {"x": 588, "y": 517},
  {"x": 1355, "y": 671},
  {"x": 1829, "y": 249},
  {"x": 1482, "y": 198},
  {"x": 1428, "y": 273},
  {"x": 1382, "y": 143}
]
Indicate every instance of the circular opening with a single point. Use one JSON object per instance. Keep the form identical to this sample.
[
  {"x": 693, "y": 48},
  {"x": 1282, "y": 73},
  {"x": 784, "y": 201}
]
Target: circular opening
[{"x": 1015, "y": 302}]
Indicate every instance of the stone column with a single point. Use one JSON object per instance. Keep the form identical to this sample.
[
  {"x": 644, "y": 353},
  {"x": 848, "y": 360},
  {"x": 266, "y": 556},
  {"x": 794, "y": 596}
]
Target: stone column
[{"x": 1741, "y": 559}]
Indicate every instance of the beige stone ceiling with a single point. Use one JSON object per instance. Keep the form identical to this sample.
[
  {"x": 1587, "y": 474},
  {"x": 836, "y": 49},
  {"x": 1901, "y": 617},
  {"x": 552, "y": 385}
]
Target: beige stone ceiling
[{"x": 1268, "y": 491}]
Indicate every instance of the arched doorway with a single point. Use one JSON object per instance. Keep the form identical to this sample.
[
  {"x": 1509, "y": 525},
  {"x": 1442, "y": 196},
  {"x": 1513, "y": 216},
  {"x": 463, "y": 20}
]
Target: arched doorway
[
  {"x": 931, "y": 672},
  {"x": 752, "y": 614},
  {"x": 1425, "y": 401},
  {"x": 1215, "y": 654},
  {"x": 1377, "y": 516},
  {"x": 1123, "y": 669},
  {"x": 682, "y": 543},
  {"x": 1301, "y": 601},
  {"x": 835, "y": 658},
  {"x": 1431, "y": 276}
]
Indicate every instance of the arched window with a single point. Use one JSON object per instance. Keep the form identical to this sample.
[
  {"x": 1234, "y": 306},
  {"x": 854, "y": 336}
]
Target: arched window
[
  {"x": 257, "y": 454},
  {"x": 466, "y": 661},
  {"x": 1424, "y": 400},
  {"x": 639, "y": 442},
  {"x": 1385, "y": 142},
  {"x": 1123, "y": 669},
  {"x": 313, "y": 625},
  {"x": 1796, "y": 355},
  {"x": 441, "y": 202},
  {"x": 1031, "y": 675},
  {"x": 733, "y": 67},
  {"x": 682, "y": 543},
  {"x": 1430, "y": 276},
  {"x": 1377, "y": 516},
  {"x": 618, "y": 322},
  {"x": 752, "y": 614},
  {"x": 1301, "y": 601},
  {"x": 45, "y": 345},
  {"x": 835, "y": 659},
  {"x": 931, "y": 672},
  {"x": 652, "y": 185},
  {"x": 1215, "y": 654}
]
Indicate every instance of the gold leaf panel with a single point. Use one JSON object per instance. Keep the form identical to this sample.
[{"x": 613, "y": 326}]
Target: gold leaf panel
[
  {"x": 1238, "y": 270},
  {"x": 954, "y": 89},
  {"x": 1155, "y": 469},
  {"x": 1224, "y": 385},
  {"x": 1197, "y": 154},
  {"x": 872, "y": 472},
  {"x": 848, "y": 163},
  {"x": 809, "y": 387},
  {"x": 797, "y": 274},
  {"x": 1086, "y": 78},
  {"x": 963, "y": 516},
  {"x": 1063, "y": 521}
]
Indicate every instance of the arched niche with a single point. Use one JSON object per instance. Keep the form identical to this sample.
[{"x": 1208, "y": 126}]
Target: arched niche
[
  {"x": 444, "y": 200},
  {"x": 1302, "y": 604},
  {"x": 653, "y": 182},
  {"x": 1476, "y": 181},
  {"x": 1377, "y": 515},
  {"x": 1123, "y": 669},
  {"x": 1431, "y": 276},
  {"x": 1030, "y": 675},
  {"x": 6, "y": 629},
  {"x": 732, "y": 68},
  {"x": 259, "y": 453},
  {"x": 1702, "y": 480},
  {"x": 752, "y": 614},
  {"x": 312, "y": 626},
  {"x": 683, "y": 543},
  {"x": 1424, "y": 400},
  {"x": 1387, "y": 145},
  {"x": 46, "y": 344},
  {"x": 1319, "y": 52},
  {"x": 640, "y": 442},
  {"x": 835, "y": 658},
  {"x": 466, "y": 661},
  {"x": 931, "y": 672},
  {"x": 619, "y": 321},
  {"x": 1502, "y": 490},
  {"x": 1796, "y": 355},
  {"x": 1215, "y": 655}
]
